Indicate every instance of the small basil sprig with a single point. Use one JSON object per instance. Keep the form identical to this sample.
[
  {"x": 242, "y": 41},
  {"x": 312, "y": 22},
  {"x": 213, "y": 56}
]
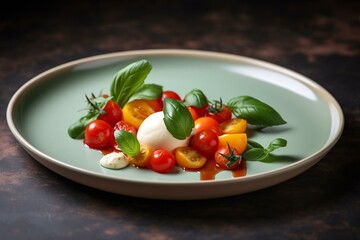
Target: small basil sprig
[
  {"x": 255, "y": 112},
  {"x": 77, "y": 129},
  {"x": 195, "y": 98},
  {"x": 127, "y": 142},
  {"x": 127, "y": 81},
  {"x": 95, "y": 108},
  {"x": 256, "y": 152},
  {"x": 177, "y": 119}
]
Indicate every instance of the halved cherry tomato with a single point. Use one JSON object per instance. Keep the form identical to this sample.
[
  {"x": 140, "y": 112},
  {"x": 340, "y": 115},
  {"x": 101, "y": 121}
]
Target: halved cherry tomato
[
  {"x": 235, "y": 125},
  {"x": 97, "y": 134},
  {"x": 121, "y": 125},
  {"x": 205, "y": 142},
  {"x": 227, "y": 158},
  {"x": 222, "y": 115},
  {"x": 207, "y": 123},
  {"x": 155, "y": 104},
  {"x": 161, "y": 161},
  {"x": 193, "y": 112},
  {"x": 188, "y": 157},
  {"x": 113, "y": 113},
  {"x": 142, "y": 158},
  {"x": 136, "y": 111},
  {"x": 237, "y": 141}
]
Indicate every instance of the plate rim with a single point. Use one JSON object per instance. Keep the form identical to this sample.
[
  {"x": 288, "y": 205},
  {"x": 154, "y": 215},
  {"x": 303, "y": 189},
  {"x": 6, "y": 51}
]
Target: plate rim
[{"x": 312, "y": 159}]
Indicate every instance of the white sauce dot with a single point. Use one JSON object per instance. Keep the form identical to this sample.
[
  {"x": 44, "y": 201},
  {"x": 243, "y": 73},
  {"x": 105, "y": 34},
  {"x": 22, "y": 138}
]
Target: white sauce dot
[{"x": 114, "y": 160}]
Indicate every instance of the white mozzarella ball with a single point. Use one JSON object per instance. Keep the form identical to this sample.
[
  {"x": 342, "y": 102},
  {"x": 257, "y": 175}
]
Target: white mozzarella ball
[{"x": 153, "y": 132}]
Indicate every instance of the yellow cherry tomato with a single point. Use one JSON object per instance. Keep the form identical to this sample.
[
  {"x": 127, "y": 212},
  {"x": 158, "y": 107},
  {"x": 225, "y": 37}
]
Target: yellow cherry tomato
[
  {"x": 235, "y": 125},
  {"x": 188, "y": 157},
  {"x": 136, "y": 111},
  {"x": 236, "y": 140},
  {"x": 142, "y": 158}
]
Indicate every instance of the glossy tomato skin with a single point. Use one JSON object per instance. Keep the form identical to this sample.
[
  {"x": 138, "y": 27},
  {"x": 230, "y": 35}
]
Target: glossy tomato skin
[
  {"x": 168, "y": 94},
  {"x": 201, "y": 111},
  {"x": 97, "y": 134},
  {"x": 225, "y": 114},
  {"x": 236, "y": 140},
  {"x": 171, "y": 94},
  {"x": 161, "y": 161},
  {"x": 234, "y": 125},
  {"x": 193, "y": 112},
  {"x": 113, "y": 113},
  {"x": 121, "y": 125},
  {"x": 207, "y": 123},
  {"x": 222, "y": 162},
  {"x": 205, "y": 142}
]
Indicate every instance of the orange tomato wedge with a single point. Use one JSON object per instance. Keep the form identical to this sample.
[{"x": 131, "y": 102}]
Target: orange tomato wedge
[
  {"x": 142, "y": 158},
  {"x": 236, "y": 140},
  {"x": 235, "y": 125},
  {"x": 188, "y": 157},
  {"x": 136, "y": 111}
]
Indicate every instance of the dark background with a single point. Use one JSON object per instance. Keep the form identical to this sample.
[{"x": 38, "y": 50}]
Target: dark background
[{"x": 319, "y": 39}]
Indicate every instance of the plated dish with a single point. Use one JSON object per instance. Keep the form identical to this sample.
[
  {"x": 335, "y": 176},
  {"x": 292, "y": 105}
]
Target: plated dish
[{"x": 41, "y": 111}]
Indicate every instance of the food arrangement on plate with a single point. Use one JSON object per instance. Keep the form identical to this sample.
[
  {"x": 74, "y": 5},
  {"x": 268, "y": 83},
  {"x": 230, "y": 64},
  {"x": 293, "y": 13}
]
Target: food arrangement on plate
[{"x": 142, "y": 125}]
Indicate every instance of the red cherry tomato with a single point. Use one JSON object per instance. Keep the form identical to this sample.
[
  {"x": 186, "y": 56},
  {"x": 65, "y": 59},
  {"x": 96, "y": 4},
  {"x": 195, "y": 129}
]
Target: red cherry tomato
[
  {"x": 121, "y": 125},
  {"x": 227, "y": 158},
  {"x": 201, "y": 112},
  {"x": 205, "y": 142},
  {"x": 171, "y": 94},
  {"x": 161, "y": 161},
  {"x": 97, "y": 134},
  {"x": 113, "y": 113},
  {"x": 168, "y": 94},
  {"x": 193, "y": 112},
  {"x": 207, "y": 123},
  {"x": 223, "y": 115}
]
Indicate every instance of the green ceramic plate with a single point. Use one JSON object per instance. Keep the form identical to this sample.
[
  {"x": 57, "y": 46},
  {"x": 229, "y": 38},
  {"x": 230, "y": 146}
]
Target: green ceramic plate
[{"x": 41, "y": 111}]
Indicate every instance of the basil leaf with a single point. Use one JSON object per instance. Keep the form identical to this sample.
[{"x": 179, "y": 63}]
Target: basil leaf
[
  {"x": 77, "y": 129},
  {"x": 255, "y": 154},
  {"x": 128, "y": 80},
  {"x": 177, "y": 119},
  {"x": 195, "y": 98},
  {"x": 253, "y": 144},
  {"x": 277, "y": 143},
  {"x": 127, "y": 142},
  {"x": 255, "y": 111},
  {"x": 148, "y": 91}
]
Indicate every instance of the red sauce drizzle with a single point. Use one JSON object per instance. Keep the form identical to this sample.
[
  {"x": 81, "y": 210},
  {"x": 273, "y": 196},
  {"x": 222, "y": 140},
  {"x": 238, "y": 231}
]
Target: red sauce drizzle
[{"x": 209, "y": 170}]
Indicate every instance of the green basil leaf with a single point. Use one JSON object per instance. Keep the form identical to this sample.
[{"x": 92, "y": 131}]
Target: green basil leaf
[
  {"x": 127, "y": 142},
  {"x": 255, "y": 154},
  {"x": 128, "y": 80},
  {"x": 255, "y": 111},
  {"x": 195, "y": 98},
  {"x": 77, "y": 129},
  {"x": 253, "y": 144},
  {"x": 177, "y": 118},
  {"x": 277, "y": 143},
  {"x": 148, "y": 91}
]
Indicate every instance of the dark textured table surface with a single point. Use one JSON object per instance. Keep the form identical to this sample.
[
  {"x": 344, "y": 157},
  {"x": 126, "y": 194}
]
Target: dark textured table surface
[{"x": 318, "y": 39}]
